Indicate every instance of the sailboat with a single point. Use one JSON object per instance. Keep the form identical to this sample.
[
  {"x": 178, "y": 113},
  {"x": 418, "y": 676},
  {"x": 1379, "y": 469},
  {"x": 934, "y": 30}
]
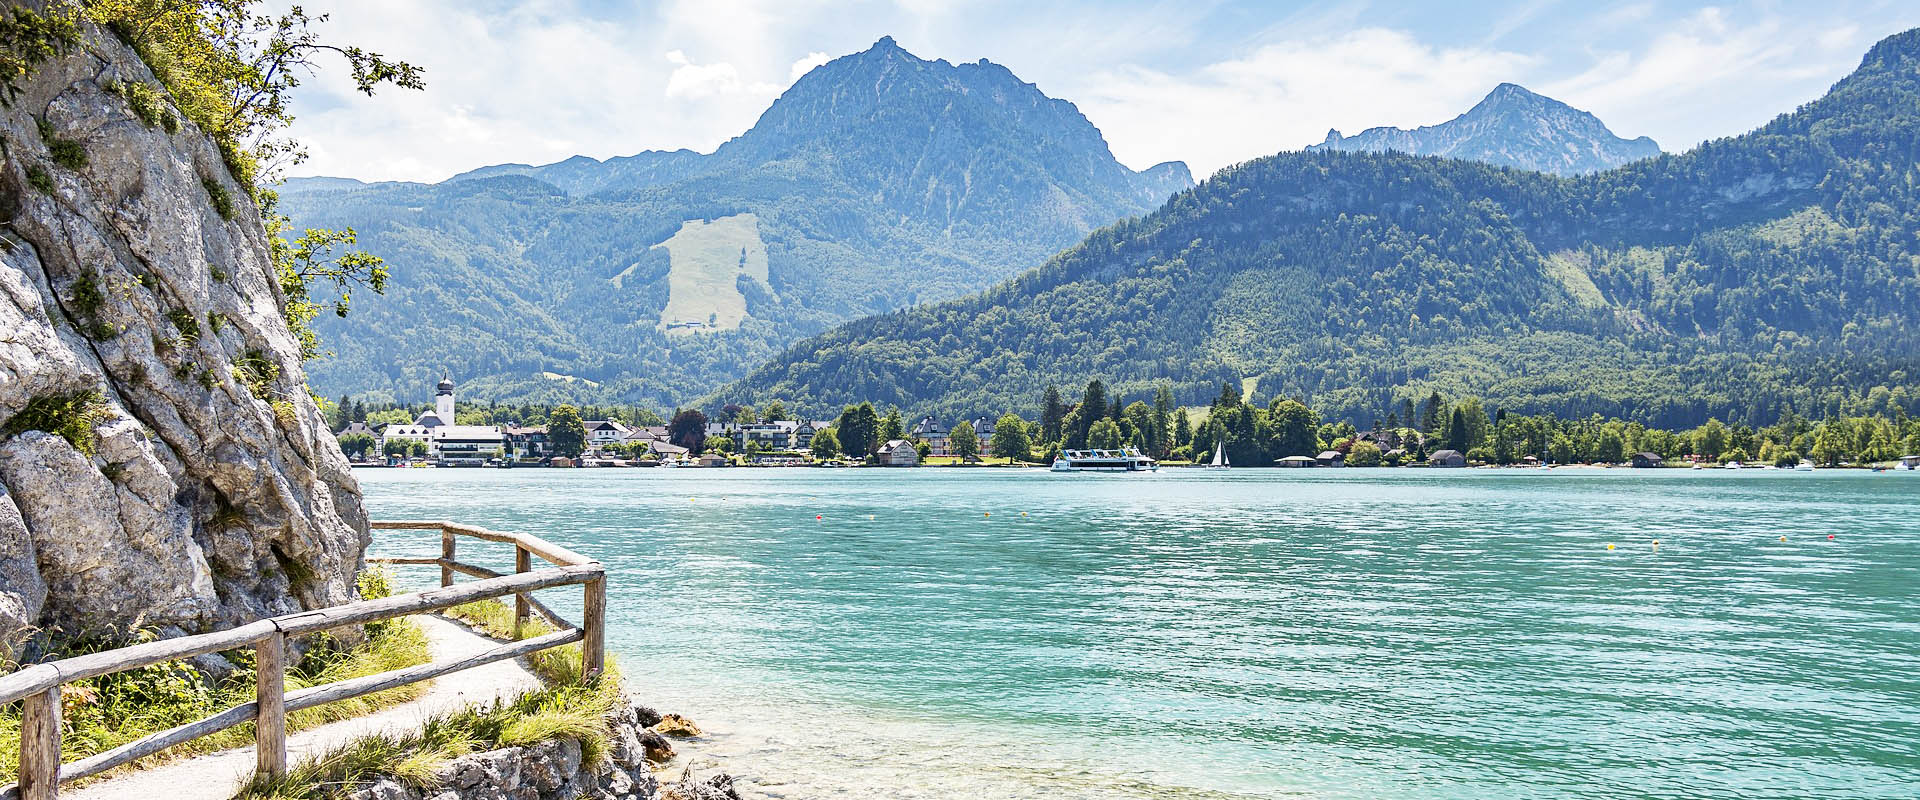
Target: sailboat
[{"x": 1219, "y": 457}]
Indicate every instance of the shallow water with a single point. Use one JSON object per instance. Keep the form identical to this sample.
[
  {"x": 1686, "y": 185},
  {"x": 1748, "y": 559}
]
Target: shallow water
[{"x": 950, "y": 633}]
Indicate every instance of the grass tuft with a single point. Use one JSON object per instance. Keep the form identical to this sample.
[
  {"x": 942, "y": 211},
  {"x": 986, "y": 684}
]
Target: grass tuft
[
  {"x": 38, "y": 178},
  {"x": 68, "y": 416},
  {"x": 68, "y": 153},
  {"x": 217, "y": 195}
]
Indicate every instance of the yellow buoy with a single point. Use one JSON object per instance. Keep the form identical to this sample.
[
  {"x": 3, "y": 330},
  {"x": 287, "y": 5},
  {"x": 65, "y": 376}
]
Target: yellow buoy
[
  {"x": 1609, "y": 545},
  {"x": 1783, "y": 538},
  {"x": 1023, "y": 513}
]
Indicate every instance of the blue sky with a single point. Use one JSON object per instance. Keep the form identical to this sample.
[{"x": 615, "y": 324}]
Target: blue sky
[{"x": 1209, "y": 83}]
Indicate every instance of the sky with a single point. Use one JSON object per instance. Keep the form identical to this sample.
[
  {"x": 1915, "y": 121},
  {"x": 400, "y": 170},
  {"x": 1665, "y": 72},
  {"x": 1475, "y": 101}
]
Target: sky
[{"x": 1208, "y": 82}]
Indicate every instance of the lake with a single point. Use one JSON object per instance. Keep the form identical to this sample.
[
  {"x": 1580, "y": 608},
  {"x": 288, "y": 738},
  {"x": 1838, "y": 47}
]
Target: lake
[{"x": 993, "y": 633}]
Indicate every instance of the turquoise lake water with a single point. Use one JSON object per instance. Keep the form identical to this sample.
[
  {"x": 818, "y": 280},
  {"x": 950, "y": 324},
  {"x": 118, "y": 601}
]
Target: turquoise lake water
[{"x": 1248, "y": 633}]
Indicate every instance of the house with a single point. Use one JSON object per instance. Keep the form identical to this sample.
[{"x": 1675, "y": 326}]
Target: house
[
  {"x": 396, "y": 433},
  {"x": 939, "y": 440},
  {"x": 711, "y": 460},
  {"x": 601, "y": 432},
  {"x": 528, "y": 443},
  {"x": 466, "y": 445},
  {"x": 1298, "y": 461},
  {"x": 1331, "y": 458},
  {"x": 668, "y": 450},
  {"x": 769, "y": 436},
  {"x": 1447, "y": 458},
  {"x": 983, "y": 428},
  {"x": 803, "y": 435},
  {"x": 898, "y": 453},
  {"x": 1647, "y": 460}
]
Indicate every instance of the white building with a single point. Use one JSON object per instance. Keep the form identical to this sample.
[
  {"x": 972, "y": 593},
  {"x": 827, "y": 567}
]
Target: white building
[{"x": 466, "y": 445}]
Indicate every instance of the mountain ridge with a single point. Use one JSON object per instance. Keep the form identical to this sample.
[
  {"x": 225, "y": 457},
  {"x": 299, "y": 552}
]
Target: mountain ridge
[
  {"x": 1514, "y": 127},
  {"x": 1752, "y": 276},
  {"x": 879, "y": 180}
]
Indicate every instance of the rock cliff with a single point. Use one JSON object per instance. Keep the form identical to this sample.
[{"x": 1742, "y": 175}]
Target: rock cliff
[{"x": 161, "y": 462}]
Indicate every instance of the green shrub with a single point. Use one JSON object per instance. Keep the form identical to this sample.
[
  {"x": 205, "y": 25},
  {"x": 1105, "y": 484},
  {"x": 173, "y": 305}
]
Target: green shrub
[
  {"x": 184, "y": 322},
  {"x": 208, "y": 380},
  {"x": 68, "y": 153},
  {"x": 217, "y": 274},
  {"x": 217, "y": 194},
  {"x": 87, "y": 300},
  {"x": 68, "y": 416},
  {"x": 257, "y": 371},
  {"x": 145, "y": 103},
  {"x": 38, "y": 178},
  {"x": 26, "y": 40}
]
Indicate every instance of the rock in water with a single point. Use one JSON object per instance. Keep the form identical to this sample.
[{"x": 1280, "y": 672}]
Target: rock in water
[
  {"x": 161, "y": 462},
  {"x": 676, "y": 725}
]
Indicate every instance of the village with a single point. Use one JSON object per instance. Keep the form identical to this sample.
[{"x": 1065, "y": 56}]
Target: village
[{"x": 434, "y": 439}]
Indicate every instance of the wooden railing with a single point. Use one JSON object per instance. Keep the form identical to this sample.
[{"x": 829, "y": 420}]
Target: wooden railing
[{"x": 37, "y": 687}]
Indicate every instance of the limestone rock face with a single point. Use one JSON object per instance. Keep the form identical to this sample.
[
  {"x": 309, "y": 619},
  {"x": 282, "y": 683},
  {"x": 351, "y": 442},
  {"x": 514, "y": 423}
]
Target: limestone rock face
[{"x": 208, "y": 491}]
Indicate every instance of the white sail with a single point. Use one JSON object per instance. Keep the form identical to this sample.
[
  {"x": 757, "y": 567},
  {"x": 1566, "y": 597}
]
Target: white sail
[{"x": 1219, "y": 455}]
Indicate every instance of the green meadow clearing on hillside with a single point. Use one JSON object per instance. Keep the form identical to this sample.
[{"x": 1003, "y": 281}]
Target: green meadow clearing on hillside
[{"x": 708, "y": 261}]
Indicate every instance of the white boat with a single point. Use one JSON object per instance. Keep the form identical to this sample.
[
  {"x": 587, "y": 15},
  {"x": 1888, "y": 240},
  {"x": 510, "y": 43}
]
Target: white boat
[
  {"x": 1804, "y": 466},
  {"x": 1732, "y": 465},
  {"x": 1220, "y": 460},
  {"x": 1122, "y": 460}
]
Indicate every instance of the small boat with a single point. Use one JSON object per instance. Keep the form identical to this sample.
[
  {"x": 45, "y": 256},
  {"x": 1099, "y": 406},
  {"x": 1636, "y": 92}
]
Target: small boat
[
  {"x": 1122, "y": 460},
  {"x": 1698, "y": 465},
  {"x": 1220, "y": 460},
  {"x": 1732, "y": 465},
  {"x": 1804, "y": 466}
]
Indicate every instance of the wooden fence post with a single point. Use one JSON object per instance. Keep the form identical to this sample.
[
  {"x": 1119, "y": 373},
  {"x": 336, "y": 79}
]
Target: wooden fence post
[
  {"x": 270, "y": 729},
  {"x": 446, "y": 556},
  {"x": 40, "y": 745},
  {"x": 593, "y": 648},
  {"x": 522, "y": 562}
]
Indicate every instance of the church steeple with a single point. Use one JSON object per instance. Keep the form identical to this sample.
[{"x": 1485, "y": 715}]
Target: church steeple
[{"x": 443, "y": 399}]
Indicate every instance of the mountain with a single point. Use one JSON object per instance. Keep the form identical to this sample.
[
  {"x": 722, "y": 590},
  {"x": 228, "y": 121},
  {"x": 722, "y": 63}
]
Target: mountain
[
  {"x": 1512, "y": 127},
  {"x": 1778, "y": 269},
  {"x": 877, "y": 181}
]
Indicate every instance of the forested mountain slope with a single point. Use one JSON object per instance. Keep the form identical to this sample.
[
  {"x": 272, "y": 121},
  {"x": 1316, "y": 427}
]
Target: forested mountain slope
[
  {"x": 877, "y": 181},
  {"x": 1776, "y": 268},
  {"x": 1512, "y": 127}
]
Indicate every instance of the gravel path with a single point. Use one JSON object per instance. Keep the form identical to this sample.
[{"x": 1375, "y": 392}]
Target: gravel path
[{"x": 216, "y": 776}]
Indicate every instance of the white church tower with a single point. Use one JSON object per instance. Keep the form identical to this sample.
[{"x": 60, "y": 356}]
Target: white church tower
[{"x": 443, "y": 400}]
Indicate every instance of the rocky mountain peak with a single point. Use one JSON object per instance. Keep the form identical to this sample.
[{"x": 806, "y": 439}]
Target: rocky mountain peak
[{"x": 1512, "y": 126}]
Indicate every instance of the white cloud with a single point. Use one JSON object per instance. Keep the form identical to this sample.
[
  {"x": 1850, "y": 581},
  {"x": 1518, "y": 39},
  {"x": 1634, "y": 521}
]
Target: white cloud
[
  {"x": 1210, "y": 82},
  {"x": 1286, "y": 95},
  {"x": 1709, "y": 74},
  {"x": 805, "y": 65},
  {"x": 706, "y": 80}
]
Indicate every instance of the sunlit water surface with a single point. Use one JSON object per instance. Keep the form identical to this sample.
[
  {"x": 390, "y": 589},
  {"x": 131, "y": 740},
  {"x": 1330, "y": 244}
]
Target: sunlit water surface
[{"x": 952, "y": 633}]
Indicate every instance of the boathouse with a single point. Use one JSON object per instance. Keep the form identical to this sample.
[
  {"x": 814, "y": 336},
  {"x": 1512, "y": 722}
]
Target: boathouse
[
  {"x": 1331, "y": 458},
  {"x": 898, "y": 453},
  {"x": 1447, "y": 458},
  {"x": 1647, "y": 460}
]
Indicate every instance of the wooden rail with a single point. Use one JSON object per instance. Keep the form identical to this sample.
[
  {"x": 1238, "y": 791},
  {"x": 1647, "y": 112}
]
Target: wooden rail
[{"x": 37, "y": 687}]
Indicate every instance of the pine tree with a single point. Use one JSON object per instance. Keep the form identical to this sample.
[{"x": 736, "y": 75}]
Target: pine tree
[{"x": 1052, "y": 412}]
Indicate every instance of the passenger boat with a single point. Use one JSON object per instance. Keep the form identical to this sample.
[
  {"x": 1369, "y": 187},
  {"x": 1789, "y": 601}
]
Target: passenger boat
[{"x": 1123, "y": 460}]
